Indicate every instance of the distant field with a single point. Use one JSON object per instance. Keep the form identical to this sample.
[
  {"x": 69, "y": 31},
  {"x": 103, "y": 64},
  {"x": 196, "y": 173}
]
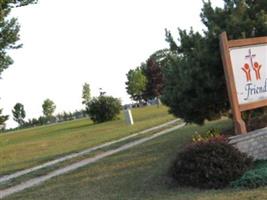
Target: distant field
[
  {"x": 136, "y": 174},
  {"x": 26, "y": 148}
]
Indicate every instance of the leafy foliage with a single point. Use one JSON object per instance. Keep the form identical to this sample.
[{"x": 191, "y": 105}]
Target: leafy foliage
[
  {"x": 48, "y": 108},
  {"x": 9, "y": 30},
  {"x": 86, "y": 94},
  {"x": 195, "y": 87},
  {"x": 136, "y": 84},
  {"x": 19, "y": 113},
  {"x": 212, "y": 164},
  {"x": 153, "y": 72},
  {"x": 3, "y": 118},
  {"x": 103, "y": 108},
  {"x": 154, "y": 76}
]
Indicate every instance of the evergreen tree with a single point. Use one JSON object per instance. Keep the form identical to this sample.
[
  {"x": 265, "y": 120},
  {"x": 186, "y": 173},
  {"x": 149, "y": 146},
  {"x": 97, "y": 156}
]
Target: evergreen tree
[
  {"x": 19, "y": 113},
  {"x": 195, "y": 87}
]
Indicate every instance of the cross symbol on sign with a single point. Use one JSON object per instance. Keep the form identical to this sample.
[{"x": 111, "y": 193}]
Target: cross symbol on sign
[{"x": 251, "y": 56}]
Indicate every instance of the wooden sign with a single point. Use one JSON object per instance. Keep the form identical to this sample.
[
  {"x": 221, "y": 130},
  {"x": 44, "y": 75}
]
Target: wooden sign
[{"x": 245, "y": 68}]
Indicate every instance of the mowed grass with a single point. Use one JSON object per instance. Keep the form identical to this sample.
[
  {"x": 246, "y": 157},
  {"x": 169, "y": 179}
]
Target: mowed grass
[
  {"x": 140, "y": 173},
  {"x": 26, "y": 148}
]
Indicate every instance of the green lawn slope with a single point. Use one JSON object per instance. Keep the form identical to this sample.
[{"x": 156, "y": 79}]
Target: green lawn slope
[
  {"x": 29, "y": 147},
  {"x": 136, "y": 174}
]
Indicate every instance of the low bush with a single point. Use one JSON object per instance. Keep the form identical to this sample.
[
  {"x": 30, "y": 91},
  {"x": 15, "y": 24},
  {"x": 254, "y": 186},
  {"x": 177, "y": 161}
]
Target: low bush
[
  {"x": 103, "y": 108},
  {"x": 210, "y": 164},
  {"x": 253, "y": 178}
]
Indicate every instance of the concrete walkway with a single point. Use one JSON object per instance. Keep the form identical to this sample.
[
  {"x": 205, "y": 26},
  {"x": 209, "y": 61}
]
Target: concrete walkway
[
  {"x": 74, "y": 166},
  {"x": 87, "y": 151}
]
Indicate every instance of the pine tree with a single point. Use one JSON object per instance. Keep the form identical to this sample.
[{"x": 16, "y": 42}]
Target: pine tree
[{"x": 195, "y": 87}]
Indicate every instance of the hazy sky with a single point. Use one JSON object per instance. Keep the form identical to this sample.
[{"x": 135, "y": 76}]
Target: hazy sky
[{"x": 67, "y": 43}]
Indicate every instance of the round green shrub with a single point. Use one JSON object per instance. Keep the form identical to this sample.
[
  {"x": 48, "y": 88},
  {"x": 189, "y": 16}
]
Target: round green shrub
[
  {"x": 103, "y": 108},
  {"x": 211, "y": 164}
]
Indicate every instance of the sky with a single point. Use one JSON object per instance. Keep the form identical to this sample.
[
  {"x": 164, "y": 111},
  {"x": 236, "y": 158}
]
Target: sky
[{"x": 66, "y": 44}]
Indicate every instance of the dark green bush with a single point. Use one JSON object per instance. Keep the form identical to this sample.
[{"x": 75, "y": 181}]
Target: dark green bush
[
  {"x": 253, "y": 178},
  {"x": 103, "y": 108},
  {"x": 211, "y": 164}
]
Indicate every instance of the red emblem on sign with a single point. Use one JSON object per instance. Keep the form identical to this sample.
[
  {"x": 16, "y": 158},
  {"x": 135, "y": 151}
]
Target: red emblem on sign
[
  {"x": 257, "y": 68},
  {"x": 254, "y": 65},
  {"x": 246, "y": 69}
]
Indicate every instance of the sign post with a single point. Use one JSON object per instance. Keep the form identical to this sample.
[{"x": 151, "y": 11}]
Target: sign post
[{"x": 245, "y": 68}]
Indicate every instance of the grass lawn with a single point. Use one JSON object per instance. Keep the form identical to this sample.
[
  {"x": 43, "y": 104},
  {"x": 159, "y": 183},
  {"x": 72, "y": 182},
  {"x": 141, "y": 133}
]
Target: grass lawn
[
  {"x": 136, "y": 174},
  {"x": 26, "y": 148}
]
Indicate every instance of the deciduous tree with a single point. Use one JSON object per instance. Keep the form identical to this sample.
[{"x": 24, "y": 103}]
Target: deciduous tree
[
  {"x": 136, "y": 84},
  {"x": 153, "y": 72},
  {"x": 19, "y": 113},
  {"x": 86, "y": 94},
  {"x": 3, "y": 118},
  {"x": 9, "y": 30},
  {"x": 49, "y": 108}
]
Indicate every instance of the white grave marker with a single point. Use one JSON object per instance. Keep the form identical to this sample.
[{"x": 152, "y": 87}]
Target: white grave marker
[{"x": 128, "y": 117}]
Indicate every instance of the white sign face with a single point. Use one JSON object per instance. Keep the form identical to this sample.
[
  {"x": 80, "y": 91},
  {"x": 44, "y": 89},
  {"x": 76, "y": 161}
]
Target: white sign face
[{"x": 250, "y": 72}]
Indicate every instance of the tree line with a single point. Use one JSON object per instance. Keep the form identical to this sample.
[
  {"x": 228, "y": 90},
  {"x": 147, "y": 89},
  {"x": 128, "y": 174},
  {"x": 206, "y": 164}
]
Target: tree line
[
  {"x": 48, "y": 117},
  {"x": 48, "y": 109},
  {"x": 98, "y": 109}
]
